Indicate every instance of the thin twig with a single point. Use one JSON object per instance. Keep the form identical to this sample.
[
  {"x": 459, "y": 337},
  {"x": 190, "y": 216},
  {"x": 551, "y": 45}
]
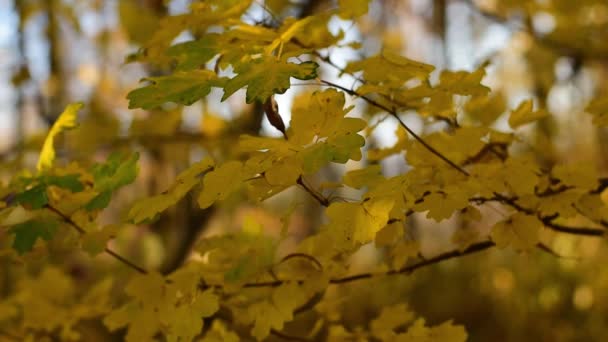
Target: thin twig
[
  {"x": 403, "y": 124},
  {"x": 288, "y": 337},
  {"x": 548, "y": 221},
  {"x": 474, "y": 248},
  {"x": 320, "y": 198},
  {"x": 81, "y": 231},
  {"x": 550, "y": 251}
]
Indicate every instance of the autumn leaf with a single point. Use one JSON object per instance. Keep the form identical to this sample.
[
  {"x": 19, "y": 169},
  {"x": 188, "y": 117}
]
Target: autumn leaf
[
  {"x": 27, "y": 233},
  {"x": 117, "y": 172},
  {"x": 148, "y": 208},
  {"x": 266, "y": 76},
  {"x": 520, "y": 231},
  {"x": 65, "y": 121},
  {"x": 181, "y": 87},
  {"x": 353, "y": 8},
  {"x": 525, "y": 114}
]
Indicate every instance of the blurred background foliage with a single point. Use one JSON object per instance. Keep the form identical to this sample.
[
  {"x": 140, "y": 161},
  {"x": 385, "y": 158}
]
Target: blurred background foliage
[{"x": 53, "y": 52}]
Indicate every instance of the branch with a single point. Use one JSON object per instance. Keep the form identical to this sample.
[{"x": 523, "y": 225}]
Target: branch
[
  {"x": 474, "y": 248},
  {"x": 320, "y": 198},
  {"x": 81, "y": 231},
  {"x": 393, "y": 112},
  {"x": 548, "y": 221},
  {"x": 288, "y": 337}
]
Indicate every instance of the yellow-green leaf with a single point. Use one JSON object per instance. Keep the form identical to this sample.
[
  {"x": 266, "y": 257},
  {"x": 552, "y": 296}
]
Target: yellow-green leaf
[
  {"x": 67, "y": 120},
  {"x": 390, "y": 69},
  {"x": 148, "y": 208},
  {"x": 182, "y": 88},
  {"x": 266, "y": 76}
]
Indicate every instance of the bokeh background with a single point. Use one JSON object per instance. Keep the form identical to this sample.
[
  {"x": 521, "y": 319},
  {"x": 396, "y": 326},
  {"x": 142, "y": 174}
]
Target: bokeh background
[{"x": 53, "y": 52}]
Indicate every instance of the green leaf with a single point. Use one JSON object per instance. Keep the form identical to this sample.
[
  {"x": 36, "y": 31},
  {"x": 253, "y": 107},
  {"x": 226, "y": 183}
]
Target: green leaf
[
  {"x": 100, "y": 201},
  {"x": 267, "y": 76},
  {"x": 67, "y": 120},
  {"x": 338, "y": 150},
  {"x": 117, "y": 172},
  {"x": 70, "y": 182},
  {"x": 27, "y": 233},
  {"x": 195, "y": 54},
  {"x": 182, "y": 87},
  {"x": 35, "y": 198}
]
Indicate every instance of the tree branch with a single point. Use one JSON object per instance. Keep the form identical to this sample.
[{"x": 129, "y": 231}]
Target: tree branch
[
  {"x": 81, "y": 231},
  {"x": 394, "y": 113},
  {"x": 474, "y": 248},
  {"x": 317, "y": 196}
]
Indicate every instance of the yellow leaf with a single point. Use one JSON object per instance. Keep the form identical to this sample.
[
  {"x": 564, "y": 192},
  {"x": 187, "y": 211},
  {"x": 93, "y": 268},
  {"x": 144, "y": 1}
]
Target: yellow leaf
[
  {"x": 212, "y": 125},
  {"x": 389, "y": 234},
  {"x": 580, "y": 175},
  {"x": 221, "y": 182},
  {"x": 561, "y": 203},
  {"x": 320, "y": 114},
  {"x": 251, "y": 226},
  {"x": 273, "y": 313},
  {"x": 403, "y": 251},
  {"x": 390, "y": 69},
  {"x": 520, "y": 231},
  {"x": 353, "y": 8},
  {"x": 367, "y": 176},
  {"x": 391, "y": 318},
  {"x": 486, "y": 109},
  {"x": 525, "y": 114},
  {"x": 284, "y": 172},
  {"x": 445, "y": 332},
  {"x": 599, "y": 109},
  {"x": 464, "y": 82},
  {"x": 147, "y": 208},
  {"x": 358, "y": 222},
  {"x": 442, "y": 205},
  {"x": 286, "y": 36},
  {"x": 67, "y": 120}
]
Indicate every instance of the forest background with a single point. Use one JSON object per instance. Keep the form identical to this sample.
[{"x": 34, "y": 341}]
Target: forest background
[{"x": 462, "y": 197}]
